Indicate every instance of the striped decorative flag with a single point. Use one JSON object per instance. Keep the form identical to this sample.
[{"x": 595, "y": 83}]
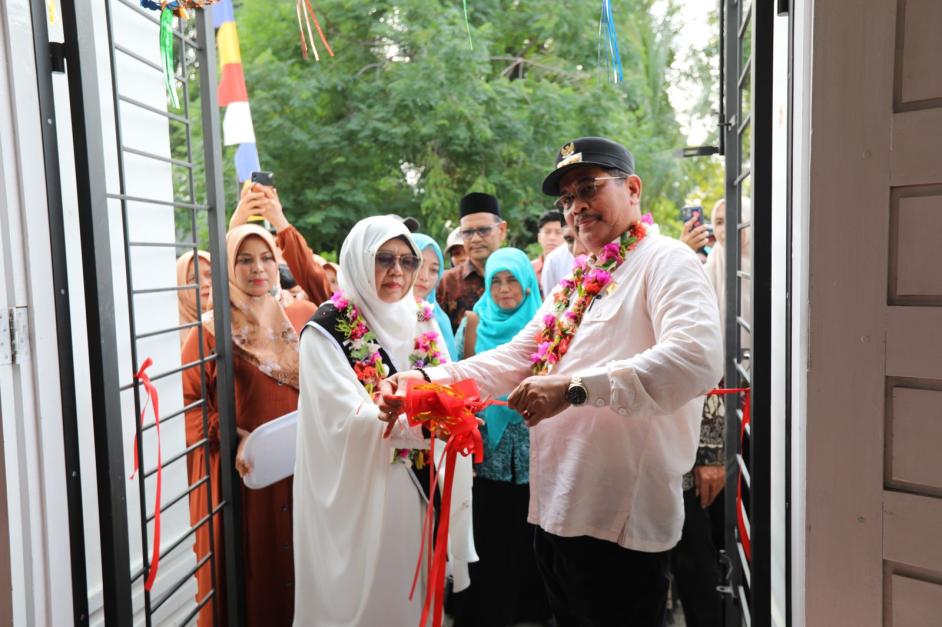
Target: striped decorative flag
[{"x": 237, "y": 128}]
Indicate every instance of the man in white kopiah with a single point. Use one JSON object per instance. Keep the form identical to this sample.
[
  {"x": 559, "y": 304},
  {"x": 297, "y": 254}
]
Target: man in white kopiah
[{"x": 615, "y": 425}]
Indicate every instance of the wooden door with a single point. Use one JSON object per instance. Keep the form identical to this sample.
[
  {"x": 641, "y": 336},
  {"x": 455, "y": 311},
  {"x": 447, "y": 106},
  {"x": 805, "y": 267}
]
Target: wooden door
[{"x": 874, "y": 406}]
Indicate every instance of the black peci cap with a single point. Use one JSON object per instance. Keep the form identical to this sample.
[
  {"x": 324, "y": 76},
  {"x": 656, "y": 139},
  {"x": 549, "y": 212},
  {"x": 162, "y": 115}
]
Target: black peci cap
[
  {"x": 476, "y": 202},
  {"x": 410, "y": 223},
  {"x": 596, "y": 151}
]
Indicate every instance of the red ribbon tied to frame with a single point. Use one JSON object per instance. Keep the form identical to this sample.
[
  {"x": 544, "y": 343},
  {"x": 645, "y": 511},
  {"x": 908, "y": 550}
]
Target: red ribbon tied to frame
[
  {"x": 746, "y": 419},
  {"x": 446, "y": 411},
  {"x": 154, "y": 401}
]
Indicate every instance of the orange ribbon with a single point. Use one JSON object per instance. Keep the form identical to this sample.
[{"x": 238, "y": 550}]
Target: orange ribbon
[
  {"x": 746, "y": 419},
  {"x": 154, "y": 400},
  {"x": 446, "y": 411}
]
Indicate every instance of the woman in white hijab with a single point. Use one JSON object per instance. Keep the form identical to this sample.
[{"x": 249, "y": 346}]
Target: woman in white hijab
[{"x": 358, "y": 497}]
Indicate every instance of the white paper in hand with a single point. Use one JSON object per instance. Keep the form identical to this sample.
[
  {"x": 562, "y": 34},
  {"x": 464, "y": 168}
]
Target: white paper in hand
[{"x": 270, "y": 450}]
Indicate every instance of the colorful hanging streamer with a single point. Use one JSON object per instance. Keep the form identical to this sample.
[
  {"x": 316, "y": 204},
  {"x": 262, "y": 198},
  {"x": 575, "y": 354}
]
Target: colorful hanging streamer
[
  {"x": 607, "y": 25},
  {"x": 168, "y": 9},
  {"x": 447, "y": 411},
  {"x": 237, "y": 127},
  {"x": 166, "y": 55},
  {"x": 304, "y": 7},
  {"x": 152, "y": 397}
]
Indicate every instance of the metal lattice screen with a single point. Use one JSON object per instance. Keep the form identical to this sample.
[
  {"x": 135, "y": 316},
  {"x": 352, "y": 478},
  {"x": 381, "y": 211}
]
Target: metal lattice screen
[{"x": 149, "y": 183}]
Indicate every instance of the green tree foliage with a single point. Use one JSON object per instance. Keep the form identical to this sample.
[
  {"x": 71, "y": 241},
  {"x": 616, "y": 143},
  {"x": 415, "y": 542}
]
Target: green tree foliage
[{"x": 408, "y": 117}]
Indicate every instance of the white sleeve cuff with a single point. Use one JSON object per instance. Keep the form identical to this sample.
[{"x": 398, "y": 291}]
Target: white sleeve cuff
[
  {"x": 598, "y": 386},
  {"x": 439, "y": 374},
  {"x": 614, "y": 386},
  {"x": 404, "y": 436}
]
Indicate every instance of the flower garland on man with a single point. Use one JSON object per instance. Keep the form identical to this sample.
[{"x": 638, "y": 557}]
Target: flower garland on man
[{"x": 610, "y": 376}]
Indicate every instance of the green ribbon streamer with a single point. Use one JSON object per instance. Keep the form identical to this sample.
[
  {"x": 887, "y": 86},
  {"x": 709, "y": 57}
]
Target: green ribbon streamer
[
  {"x": 467, "y": 24},
  {"x": 166, "y": 54}
]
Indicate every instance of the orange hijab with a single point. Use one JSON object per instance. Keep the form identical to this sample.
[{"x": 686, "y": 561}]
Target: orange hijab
[
  {"x": 186, "y": 299},
  {"x": 261, "y": 330}
]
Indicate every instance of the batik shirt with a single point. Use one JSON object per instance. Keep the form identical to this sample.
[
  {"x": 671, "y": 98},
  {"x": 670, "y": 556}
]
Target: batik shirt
[{"x": 458, "y": 290}]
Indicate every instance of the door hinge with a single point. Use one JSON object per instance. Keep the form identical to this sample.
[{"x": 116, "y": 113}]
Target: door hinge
[{"x": 14, "y": 335}]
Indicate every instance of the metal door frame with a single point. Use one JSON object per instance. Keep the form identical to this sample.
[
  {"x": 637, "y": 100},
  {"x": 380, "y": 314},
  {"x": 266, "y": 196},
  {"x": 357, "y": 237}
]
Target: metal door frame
[
  {"x": 748, "y": 71},
  {"x": 78, "y": 52}
]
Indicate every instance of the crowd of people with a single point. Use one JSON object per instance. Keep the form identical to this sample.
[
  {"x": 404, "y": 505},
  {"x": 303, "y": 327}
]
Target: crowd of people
[{"x": 601, "y": 474}]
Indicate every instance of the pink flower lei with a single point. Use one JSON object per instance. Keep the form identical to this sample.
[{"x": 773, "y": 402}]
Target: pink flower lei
[
  {"x": 426, "y": 350},
  {"x": 587, "y": 281},
  {"x": 364, "y": 346}
]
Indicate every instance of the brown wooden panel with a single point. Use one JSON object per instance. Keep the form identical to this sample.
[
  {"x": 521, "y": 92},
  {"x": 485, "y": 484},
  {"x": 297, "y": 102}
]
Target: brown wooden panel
[
  {"x": 915, "y": 603},
  {"x": 911, "y": 525},
  {"x": 918, "y": 54},
  {"x": 914, "y": 342},
  {"x": 914, "y": 157},
  {"x": 915, "y": 248},
  {"x": 914, "y": 431}
]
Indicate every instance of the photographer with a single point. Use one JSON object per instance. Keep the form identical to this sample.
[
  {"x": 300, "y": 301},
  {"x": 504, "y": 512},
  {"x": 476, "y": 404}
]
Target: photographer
[{"x": 261, "y": 201}]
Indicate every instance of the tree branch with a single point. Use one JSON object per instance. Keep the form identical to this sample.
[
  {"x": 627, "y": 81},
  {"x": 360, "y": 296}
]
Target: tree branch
[{"x": 515, "y": 61}]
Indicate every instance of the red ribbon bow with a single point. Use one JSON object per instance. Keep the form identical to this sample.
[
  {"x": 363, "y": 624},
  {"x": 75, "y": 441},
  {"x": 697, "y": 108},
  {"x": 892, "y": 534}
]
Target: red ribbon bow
[
  {"x": 154, "y": 400},
  {"x": 446, "y": 411},
  {"x": 746, "y": 419}
]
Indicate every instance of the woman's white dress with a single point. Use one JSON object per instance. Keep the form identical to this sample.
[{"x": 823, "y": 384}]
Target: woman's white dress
[{"x": 358, "y": 517}]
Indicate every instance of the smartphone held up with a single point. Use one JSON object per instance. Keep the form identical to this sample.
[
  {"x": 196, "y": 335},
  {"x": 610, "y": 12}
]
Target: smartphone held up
[
  {"x": 695, "y": 213},
  {"x": 261, "y": 178}
]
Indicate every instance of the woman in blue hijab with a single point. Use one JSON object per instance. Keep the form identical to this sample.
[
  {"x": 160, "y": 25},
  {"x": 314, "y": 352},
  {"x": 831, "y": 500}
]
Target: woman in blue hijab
[
  {"x": 505, "y": 584},
  {"x": 433, "y": 266}
]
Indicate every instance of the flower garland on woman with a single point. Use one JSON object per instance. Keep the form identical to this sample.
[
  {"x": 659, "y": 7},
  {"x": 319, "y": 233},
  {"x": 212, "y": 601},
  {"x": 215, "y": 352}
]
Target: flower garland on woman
[
  {"x": 349, "y": 499},
  {"x": 365, "y": 348}
]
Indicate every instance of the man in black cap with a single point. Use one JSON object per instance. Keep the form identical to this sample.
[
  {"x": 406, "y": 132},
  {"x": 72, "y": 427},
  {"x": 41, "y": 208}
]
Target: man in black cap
[
  {"x": 610, "y": 377},
  {"x": 483, "y": 232}
]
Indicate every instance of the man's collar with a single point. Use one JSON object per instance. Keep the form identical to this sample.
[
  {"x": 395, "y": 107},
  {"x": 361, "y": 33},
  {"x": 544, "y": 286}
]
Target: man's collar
[{"x": 468, "y": 269}]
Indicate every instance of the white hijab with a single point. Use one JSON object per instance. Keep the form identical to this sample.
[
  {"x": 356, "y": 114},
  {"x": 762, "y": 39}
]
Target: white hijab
[{"x": 393, "y": 323}]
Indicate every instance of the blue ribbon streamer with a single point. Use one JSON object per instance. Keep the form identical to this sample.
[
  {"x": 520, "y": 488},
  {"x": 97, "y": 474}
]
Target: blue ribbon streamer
[{"x": 608, "y": 20}]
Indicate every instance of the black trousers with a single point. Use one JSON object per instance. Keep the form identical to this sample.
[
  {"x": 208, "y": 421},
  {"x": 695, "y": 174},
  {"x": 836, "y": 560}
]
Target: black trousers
[
  {"x": 505, "y": 583},
  {"x": 594, "y": 583},
  {"x": 696, "y": 567}
]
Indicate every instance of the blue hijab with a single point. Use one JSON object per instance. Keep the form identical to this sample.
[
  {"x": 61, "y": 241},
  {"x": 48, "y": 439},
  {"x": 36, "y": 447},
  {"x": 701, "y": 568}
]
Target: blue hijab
[
  {"x": 498, "y": 326},
  {"x": 444, "y": 324}
]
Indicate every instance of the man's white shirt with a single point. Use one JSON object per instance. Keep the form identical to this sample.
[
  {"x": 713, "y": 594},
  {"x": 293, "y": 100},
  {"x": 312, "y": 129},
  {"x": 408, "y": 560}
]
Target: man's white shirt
[{"x": 647, "y": 350}]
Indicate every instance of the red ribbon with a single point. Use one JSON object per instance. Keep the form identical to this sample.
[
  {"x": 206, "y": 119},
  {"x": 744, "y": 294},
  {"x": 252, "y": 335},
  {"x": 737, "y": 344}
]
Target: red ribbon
[
  {"x": 154, "y": 401},
  {"x": 317, "y": 25},
  {"x": 446, "y": 411},
  {"x": 746, "y": 419}
]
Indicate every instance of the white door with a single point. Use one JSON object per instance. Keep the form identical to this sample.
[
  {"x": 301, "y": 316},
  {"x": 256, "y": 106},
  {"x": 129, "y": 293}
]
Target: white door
[
  {"x": 874, "y": 398},
  {"x": 33, "y": 470}
]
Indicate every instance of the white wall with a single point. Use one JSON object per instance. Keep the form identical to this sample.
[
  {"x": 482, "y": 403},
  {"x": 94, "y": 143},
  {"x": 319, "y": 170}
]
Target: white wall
[{"x": 151, "y": 268}]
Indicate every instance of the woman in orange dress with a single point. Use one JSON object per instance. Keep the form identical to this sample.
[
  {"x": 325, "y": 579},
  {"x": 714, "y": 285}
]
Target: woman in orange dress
[
  {"x": 186, "y": 275},
  {"x": 265, "y": 365}
]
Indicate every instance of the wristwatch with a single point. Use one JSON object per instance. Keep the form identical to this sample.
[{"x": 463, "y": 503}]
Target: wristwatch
[{"x": 576, "y": 393}]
